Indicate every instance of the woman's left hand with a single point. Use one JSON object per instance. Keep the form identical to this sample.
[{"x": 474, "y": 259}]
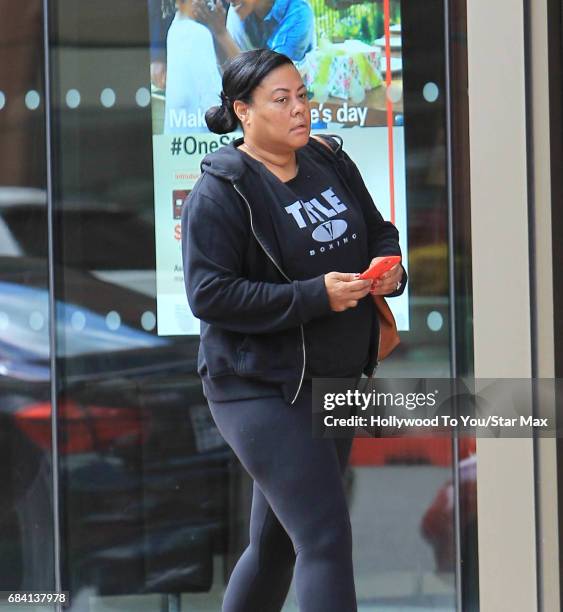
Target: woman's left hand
[{"x": 387, "y": 282}]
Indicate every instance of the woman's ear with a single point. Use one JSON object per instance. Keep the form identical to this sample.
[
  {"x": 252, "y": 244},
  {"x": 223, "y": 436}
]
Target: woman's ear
[{"x": 241, "y": 111}]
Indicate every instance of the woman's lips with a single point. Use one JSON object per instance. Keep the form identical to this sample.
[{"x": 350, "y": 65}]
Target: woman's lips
[{"x": 299, "y": 128}]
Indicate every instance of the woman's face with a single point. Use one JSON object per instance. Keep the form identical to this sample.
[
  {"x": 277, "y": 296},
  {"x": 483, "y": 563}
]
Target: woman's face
[
  {"x": 243, "y": 8},
  {"x": 278, "y": 119}
]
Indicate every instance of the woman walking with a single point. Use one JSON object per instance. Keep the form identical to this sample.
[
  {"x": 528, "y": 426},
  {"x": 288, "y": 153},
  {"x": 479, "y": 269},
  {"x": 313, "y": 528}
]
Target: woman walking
[{"x": 273, "y": 234}]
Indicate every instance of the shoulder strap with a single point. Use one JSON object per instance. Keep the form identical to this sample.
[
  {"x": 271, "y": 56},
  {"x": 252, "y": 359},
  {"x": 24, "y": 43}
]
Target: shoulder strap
[
  {"x": 388, "y": 334},
  {"x": 321, "y": 142},
  {"x": 330, "y": 141}
]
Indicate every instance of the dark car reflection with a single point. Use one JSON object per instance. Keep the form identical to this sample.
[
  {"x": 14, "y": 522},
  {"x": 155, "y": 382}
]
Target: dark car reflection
[{"x": 144, "y": 473}]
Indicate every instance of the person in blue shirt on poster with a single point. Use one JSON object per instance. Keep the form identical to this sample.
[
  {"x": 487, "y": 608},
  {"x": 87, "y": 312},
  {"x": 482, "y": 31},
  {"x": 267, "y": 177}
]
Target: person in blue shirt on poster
[{"x": 285, "y": 26}]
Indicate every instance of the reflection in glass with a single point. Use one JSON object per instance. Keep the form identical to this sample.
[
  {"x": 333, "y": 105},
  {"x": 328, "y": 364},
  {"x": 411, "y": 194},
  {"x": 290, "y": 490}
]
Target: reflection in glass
[{"x": 26, "y": 520}]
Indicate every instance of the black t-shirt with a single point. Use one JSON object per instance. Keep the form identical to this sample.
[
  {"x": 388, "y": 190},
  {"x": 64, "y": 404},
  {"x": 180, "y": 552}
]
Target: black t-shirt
[{"x": 319, "y": 230}]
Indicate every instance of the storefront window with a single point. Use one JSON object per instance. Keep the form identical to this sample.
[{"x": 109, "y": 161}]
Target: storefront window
[{"x": 153, "y": 504}]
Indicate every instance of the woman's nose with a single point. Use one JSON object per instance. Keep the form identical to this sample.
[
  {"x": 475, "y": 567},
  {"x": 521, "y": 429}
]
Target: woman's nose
[{"x": 300, "y": 106}]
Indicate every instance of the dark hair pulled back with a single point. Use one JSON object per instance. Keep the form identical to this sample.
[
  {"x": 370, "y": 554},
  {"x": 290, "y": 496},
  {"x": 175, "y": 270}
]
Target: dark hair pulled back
[{"x": 241, "y": 77}]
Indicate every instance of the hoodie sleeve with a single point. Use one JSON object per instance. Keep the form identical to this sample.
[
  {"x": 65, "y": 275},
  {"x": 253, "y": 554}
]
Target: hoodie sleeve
[
  {"x": 214, "y": 238},
  {"x": 383, "y": 236}
]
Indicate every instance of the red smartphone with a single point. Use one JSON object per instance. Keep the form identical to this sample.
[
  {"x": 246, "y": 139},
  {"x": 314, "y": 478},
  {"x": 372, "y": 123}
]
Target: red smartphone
[{"x": 382, "y": 266}]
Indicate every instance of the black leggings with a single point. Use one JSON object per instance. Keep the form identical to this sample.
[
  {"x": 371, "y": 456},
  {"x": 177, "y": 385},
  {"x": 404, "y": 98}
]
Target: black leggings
[{"x": 299, "y": 513}]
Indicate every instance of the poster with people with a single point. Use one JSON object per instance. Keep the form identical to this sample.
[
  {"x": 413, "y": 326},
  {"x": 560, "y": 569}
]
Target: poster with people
[{"x": 348, "y": 53}]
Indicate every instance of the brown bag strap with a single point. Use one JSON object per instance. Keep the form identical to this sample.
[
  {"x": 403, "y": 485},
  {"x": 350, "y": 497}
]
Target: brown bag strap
[
  {"x": 388, "y": 335},
  {"x": 323, "y": 141}
]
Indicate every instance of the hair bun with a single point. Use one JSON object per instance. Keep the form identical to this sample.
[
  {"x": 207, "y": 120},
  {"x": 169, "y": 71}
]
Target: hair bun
[{"x": 221, "y": 119}]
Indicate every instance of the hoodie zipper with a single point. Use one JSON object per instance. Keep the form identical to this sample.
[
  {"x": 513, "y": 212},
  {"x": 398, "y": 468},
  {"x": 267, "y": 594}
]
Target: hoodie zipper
[{"x": 285, "y": 276}]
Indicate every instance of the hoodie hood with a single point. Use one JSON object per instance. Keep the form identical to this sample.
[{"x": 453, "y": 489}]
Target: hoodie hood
[
  {"x": 230, "y": 164},
  {"x": 227, "y": 162}
]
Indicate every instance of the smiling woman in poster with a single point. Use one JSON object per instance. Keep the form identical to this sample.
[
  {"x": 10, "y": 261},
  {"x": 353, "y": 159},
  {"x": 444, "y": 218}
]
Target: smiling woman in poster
[
  {"x": 285, "y": 26},
  {"x": 272, "y": 236}
]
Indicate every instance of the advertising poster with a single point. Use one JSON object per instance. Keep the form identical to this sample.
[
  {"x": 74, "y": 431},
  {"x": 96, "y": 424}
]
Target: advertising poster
[{"x": 349, "y": 55}]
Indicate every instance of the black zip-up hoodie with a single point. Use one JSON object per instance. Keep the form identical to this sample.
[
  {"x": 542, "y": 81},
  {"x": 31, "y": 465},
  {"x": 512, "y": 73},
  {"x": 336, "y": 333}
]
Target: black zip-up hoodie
[{"x": 251, "y": 314}]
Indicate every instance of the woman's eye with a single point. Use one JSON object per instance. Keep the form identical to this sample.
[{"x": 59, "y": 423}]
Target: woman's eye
[
  {"x": 282, "y": 100},
  {"x": 303, "y": 95}
]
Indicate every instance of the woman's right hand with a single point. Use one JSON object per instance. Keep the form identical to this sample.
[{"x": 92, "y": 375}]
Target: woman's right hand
[
  {"x": 344, "y": 290},
  {"x": 215, "y": 20}
]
